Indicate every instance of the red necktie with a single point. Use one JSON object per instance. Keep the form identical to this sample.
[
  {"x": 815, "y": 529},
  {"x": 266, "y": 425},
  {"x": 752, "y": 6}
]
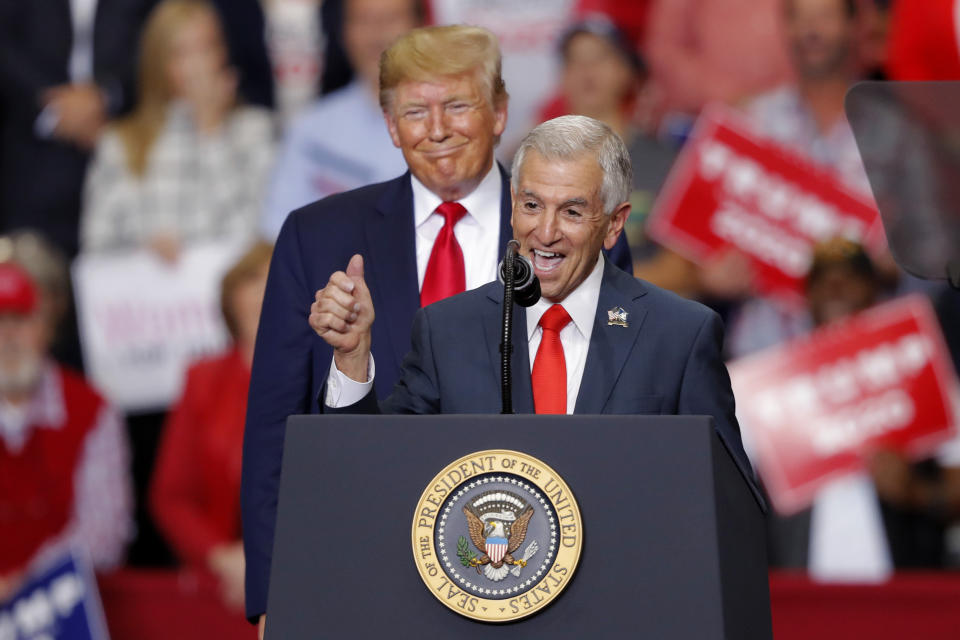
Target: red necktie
[
  {"x": 549, "y": 377},
  {"x": 445, "y": 274}
]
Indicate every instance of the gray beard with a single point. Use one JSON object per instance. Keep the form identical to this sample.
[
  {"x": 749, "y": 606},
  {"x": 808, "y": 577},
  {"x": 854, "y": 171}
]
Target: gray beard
[{"x": 23, "y": 378}]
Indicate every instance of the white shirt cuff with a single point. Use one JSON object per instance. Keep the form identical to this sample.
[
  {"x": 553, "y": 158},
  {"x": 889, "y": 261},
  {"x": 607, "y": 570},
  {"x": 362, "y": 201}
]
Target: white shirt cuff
[{"x": 343, "y": 391}]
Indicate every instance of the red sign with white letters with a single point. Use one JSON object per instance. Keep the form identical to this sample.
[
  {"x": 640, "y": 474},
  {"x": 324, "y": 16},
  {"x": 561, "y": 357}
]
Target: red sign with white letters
[
  {"x": 732, "y": 189},
  {"x": 814, "y": 407}
]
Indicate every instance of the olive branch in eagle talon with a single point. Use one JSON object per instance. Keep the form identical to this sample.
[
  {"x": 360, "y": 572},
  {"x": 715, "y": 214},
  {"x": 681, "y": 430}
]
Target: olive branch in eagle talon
[
  {"x": 479, "y": 533},
  {"x": 464, "y": 553}
]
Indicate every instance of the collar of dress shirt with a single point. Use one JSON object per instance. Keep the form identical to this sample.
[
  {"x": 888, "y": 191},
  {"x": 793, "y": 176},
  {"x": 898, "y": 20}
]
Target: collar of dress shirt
[
  {"x": 482, "y": 204},
  {"x": 581, "y": 304}
]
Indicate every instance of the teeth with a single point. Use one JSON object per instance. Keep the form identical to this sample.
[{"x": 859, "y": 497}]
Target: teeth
[{"x": 545, "y": 254}]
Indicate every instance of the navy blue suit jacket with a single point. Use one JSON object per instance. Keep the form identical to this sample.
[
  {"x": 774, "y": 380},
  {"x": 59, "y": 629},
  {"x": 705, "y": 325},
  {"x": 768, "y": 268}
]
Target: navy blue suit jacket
[
  {"x": 290, "y": 362},
  {"x": 666, "y": 361}
]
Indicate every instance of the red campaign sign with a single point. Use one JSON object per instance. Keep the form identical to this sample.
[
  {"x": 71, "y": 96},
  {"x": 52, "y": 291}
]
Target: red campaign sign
[
  {"x": 732, "y": 189},
  {"x": 813, "y": 408}
]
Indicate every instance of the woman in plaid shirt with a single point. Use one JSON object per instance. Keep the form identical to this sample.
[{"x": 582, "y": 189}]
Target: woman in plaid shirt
[{"x": 188, "y": 163}]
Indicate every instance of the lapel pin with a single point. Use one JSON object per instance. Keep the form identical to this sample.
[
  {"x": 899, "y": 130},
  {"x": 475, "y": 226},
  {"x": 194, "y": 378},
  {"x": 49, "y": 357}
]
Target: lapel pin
[{"x": 617, "y": 317}]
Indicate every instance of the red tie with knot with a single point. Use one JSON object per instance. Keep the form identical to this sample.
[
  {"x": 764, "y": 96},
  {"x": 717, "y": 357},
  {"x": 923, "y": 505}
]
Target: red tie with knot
[
  {"x": 445, "y": 275},
  {"x": 549, "y": 377}
]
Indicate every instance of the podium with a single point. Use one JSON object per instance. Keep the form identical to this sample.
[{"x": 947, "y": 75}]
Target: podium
[{"x": 672, "y": 533}]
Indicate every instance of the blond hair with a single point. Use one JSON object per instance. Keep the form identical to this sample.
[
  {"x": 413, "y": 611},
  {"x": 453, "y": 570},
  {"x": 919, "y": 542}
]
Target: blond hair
[
  {"x": 425, "y": 53},
  {"x": 248, "y": 267},
  {"x": 140, "y": 129}
]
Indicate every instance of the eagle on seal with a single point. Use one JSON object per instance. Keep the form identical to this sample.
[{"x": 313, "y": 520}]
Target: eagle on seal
[{"x": 497, "y": 535}]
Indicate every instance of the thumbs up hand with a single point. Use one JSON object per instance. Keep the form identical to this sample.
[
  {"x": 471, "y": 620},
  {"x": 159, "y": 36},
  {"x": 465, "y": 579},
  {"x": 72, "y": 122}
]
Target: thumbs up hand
[{"x": 342, "y": 314}]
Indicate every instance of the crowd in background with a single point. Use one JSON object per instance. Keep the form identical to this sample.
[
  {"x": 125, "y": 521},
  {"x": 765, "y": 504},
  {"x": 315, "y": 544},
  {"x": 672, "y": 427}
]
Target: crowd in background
[{"x": 154, "y": 125}]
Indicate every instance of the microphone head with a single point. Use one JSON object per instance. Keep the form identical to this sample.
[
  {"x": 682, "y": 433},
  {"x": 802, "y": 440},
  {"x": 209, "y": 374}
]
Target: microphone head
[{"x": 526, "y": 285}]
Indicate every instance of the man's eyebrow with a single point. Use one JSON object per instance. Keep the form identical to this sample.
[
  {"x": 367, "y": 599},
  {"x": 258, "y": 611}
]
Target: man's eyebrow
[
  {"x": 575, "y": 202},
  {"x": 531, "y": 194}
]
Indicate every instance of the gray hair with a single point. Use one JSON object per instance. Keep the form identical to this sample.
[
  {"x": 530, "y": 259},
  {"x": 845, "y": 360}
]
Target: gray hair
[{"x": 568, "y": 136}]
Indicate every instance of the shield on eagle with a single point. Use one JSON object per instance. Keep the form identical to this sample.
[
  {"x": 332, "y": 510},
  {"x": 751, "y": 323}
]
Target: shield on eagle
[
  {"x": 497, "y": 521},
  {"x": 496, "y": 548}
]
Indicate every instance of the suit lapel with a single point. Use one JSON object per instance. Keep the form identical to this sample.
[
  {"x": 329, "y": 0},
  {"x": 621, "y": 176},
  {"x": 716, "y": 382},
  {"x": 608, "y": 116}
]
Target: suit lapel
[
  {"x": 392, "y": 262},
  {"x": 492, "y": 319},
  {"x": 610, "y": 345}
]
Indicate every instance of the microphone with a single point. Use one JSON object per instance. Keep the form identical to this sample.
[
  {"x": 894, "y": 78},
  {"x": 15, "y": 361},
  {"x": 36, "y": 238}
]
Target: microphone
[
  {"x": 526, "y": 285},
  {"x": 520, "y": 285}
]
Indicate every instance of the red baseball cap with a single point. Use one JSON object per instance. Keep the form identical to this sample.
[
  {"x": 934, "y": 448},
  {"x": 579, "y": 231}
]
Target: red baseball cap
[{"x": 17, "y": 293}]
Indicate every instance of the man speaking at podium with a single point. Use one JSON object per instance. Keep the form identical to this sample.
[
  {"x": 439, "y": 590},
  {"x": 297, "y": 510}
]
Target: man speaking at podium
[
  {"x": 437, "y": 230},
  {"x": 598, "y": 341}
]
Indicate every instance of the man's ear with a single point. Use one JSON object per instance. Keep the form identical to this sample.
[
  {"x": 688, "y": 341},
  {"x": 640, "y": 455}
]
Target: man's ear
[
  {"x": 500, "y": 117},
  {"x": 615, "y": 225},
  {"x": 392, "y": 128}
]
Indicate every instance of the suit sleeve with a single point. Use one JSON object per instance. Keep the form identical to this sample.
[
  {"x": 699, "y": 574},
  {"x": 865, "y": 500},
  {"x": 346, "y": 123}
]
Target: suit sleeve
[
  {"x": 417, "y": 391},
  {"x": 280, "y": 386},
  {"x": 21, "y": 79},
  {"x": 705, "y": 390}
]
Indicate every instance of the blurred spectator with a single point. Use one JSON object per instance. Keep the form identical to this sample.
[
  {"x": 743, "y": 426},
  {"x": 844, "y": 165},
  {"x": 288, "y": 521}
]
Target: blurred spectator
[
  {"x": 244, "y": 32},
  {"x": 874, "y": 39},
  {"x": 631, "y": 16},
  {"x": 527, "y": 33},
  {"x": 601, "y": 77},
  {"x": 806, "y": 116},
  {"x": 64, "y": 461},
  {"x": 341, "y": 142},
  {"x": 188, "y": 163},
  {"x": 715, "y": 50},
  {"x": 842, "y": 281},
  {"x": 924, "y": 42},
  {"x": 296, "y": 44},
  {"x": 846, "y": 533},
  {"x": 195, "y": 497},
  {"x": 65, "y": 67}
]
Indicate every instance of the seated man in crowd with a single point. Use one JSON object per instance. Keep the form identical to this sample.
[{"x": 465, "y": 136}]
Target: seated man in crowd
[{"x": 64, "y": 460}]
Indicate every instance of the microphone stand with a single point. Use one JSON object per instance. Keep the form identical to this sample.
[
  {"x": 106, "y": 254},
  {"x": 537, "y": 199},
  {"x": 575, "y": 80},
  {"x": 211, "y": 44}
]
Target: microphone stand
[{"x": 506, "y": 333}]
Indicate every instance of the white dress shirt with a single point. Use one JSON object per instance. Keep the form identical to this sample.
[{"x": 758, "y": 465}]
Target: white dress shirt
[
  {"x": 82, "y": 16},
  {"x": 478, "y": 232},
  {"x": 581, "y": 305}
]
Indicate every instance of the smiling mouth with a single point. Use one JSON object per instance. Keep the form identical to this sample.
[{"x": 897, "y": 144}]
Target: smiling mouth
[
  {"x": 445, "y": 151},
  {"x": 546, "y": 261}
]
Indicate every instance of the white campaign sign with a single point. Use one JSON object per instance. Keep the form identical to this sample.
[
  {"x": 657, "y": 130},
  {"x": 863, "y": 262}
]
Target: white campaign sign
[{"x": 142, "y": 321}]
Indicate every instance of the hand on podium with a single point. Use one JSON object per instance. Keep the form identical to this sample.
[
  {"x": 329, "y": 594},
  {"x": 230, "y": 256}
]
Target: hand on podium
[{"x": 342, "y": 315}]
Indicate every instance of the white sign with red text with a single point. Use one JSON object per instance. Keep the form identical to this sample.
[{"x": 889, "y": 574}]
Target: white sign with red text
[
  {"x": 813, "y": 408},
  {"x": 143, "y": 321}
]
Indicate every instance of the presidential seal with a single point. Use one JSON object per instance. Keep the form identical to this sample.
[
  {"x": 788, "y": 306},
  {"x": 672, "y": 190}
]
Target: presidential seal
[{"x": 497, "y": 535}]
